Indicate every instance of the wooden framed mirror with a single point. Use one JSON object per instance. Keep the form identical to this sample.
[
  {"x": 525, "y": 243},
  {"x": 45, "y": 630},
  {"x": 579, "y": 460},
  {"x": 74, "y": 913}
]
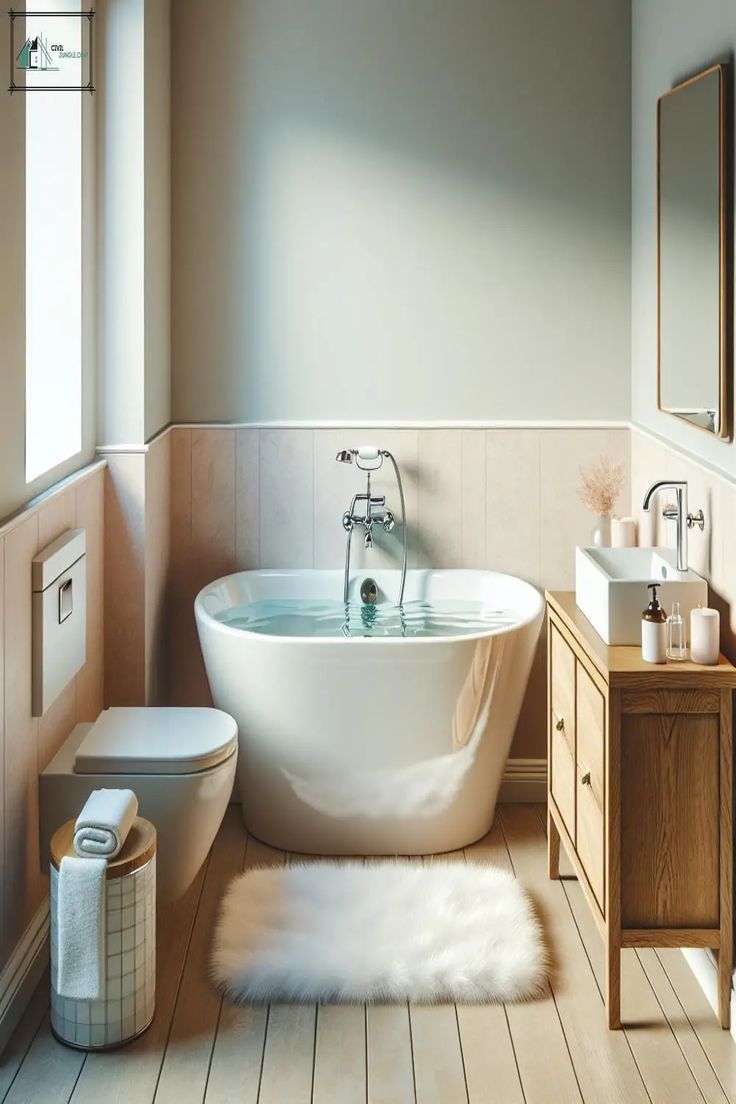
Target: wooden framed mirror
[{"x": 692, "y": 269}]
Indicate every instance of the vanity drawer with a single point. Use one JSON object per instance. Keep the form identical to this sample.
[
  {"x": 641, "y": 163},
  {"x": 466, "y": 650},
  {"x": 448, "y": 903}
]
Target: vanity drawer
[
  {"x": 590, "y": 782},
  {"x": 562, "y": 727}
]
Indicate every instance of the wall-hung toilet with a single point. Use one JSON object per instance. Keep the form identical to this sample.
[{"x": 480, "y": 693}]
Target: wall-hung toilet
[{"x": 179, "y": 762}]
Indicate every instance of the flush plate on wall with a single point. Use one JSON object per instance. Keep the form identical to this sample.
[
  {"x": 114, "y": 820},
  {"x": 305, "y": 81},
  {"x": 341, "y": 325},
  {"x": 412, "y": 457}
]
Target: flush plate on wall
[{"x": 59, "y": 582}]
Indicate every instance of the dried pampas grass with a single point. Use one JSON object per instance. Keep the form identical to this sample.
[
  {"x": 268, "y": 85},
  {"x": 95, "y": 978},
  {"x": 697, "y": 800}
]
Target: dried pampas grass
[{"x": 600, "y": 486}]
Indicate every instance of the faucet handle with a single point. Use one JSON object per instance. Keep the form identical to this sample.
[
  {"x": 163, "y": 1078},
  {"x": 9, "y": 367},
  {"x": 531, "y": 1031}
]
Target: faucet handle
[{"x": 670, "y": 512}]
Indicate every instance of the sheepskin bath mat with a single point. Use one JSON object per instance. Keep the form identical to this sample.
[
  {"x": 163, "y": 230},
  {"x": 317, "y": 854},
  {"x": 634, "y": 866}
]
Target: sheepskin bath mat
[{"x": 392, "y": 931}]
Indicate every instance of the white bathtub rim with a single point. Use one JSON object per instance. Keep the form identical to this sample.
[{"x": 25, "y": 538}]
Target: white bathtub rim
[{"x": 534, "y": 615}]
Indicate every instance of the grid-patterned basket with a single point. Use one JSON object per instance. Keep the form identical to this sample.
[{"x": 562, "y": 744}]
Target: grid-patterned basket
[{"x": 130, "y": 996}]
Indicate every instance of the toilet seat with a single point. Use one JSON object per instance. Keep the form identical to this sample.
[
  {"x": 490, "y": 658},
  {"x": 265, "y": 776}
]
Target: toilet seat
[{"x": 146, "y": 740}]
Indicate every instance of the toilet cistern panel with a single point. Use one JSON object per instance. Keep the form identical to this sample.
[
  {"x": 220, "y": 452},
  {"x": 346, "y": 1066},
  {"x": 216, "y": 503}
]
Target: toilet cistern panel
[{"x": 59, "y": 605}]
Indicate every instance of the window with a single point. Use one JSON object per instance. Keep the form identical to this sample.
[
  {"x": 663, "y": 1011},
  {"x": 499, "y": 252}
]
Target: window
[{"x": 53, "y": 242}]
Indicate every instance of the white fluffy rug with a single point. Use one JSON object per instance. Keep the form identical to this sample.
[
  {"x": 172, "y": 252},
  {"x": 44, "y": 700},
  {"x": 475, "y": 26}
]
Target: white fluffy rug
[{"x": 392, "y": 931}]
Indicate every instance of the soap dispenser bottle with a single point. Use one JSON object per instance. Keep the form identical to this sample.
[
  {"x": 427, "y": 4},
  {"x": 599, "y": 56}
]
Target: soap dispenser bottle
[{"x": 654, "y": 630}]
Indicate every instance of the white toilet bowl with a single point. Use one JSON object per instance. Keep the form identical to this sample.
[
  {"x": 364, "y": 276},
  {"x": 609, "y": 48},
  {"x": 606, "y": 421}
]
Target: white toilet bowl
[{"x": 179, "y": 762}]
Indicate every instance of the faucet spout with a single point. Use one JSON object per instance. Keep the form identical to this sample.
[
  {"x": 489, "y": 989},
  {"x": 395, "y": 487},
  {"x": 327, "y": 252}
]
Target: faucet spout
[
  {"x": 678, "y": 514},
  {"x": 660, "y": 485}
]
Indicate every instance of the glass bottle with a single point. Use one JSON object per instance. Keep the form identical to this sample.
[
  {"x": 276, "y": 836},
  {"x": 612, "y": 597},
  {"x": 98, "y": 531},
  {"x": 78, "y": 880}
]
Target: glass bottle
[{"x": 676, "y": 648}]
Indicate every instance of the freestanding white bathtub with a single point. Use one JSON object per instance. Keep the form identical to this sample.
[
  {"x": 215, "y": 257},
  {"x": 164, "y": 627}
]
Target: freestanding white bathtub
[{"x": 383, "y": 744}]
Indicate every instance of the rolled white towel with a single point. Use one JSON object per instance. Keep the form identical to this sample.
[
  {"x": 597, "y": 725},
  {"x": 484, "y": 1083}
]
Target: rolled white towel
[{"x": 104, "y": 823}]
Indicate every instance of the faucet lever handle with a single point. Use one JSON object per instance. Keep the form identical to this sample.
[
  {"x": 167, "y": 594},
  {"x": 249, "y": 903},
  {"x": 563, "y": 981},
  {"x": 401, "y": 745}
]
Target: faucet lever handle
[{"x": 696, "y": 519}]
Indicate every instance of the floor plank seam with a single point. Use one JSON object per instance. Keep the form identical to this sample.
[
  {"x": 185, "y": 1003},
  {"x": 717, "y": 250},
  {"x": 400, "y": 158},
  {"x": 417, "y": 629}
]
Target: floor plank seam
[
  {"x": 212, "y": 1050},
  {"x": 513, "y": 1051},
  {"x": 314, "y": 1051},
  {"x": 462, "y": 1054},
  {"x": 505, "y": 841},
  {"x": 222, "y": 999},
  {"x": 567, "y": 1046},
  {"x": 365, "y": 1037},
  {"x": 263, "y": 1054},
  {"x": 180, "y": 978},
  {"x": 595, "y": 980},
  {"x": 549, "y": 983},
  {"x": 636, "y": 1064},
  {"x": 411, "y": 1048},
  {"x": 25, "y": 1055},
  {"x": 76, "y": 1079},
  {"x": 669, "y": 1025},
  {"x": 695, "y": 1031},
  {"x": 582, "y": 941}
]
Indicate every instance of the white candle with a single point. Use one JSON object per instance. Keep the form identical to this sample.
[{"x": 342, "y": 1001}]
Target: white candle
[
  {"x": 623, "y": 532},
  {"x": 705, "y": 635}
]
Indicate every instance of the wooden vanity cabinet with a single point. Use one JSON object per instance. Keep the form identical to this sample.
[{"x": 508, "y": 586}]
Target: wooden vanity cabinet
[{"x": 640, "y": 793}]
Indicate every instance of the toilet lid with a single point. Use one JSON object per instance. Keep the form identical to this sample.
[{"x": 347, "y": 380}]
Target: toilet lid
[{"x": 156, "y": 741}]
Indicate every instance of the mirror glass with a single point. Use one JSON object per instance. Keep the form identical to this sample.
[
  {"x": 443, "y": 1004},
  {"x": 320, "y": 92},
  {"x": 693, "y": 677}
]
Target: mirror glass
[{"x": 691, "y": 252}]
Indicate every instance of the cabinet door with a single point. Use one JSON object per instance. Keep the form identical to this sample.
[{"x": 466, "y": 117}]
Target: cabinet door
[
  {"x": 562, "y": 728},
  {"x": 591, "y": 787},
  {"x": 670, "y": 837}
]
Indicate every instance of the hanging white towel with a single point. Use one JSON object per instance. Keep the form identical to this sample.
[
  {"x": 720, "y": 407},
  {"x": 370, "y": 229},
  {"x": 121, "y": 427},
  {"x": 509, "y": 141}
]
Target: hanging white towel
[
  {"x": 82, "y": 946},
  {"x": 104, "y": 822}
]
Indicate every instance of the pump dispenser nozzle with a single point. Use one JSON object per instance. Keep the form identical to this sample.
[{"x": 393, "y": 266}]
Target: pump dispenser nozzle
[
  {"x": 654, "y": 606},
  {"x": 653, "y": 632}
]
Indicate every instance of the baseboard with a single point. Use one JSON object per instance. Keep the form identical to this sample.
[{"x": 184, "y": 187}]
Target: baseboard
[
  {"x": 23, "y": 971},
  {"x": 524, "y": 782},
  {"x": 703, "y": 965}
]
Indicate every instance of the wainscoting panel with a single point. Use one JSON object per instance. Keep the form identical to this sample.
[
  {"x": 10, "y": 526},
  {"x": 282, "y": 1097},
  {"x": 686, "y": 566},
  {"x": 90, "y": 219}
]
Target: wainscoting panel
[
  {"x": 504, "y": 499},
  {"x": 28, "y": 742}
]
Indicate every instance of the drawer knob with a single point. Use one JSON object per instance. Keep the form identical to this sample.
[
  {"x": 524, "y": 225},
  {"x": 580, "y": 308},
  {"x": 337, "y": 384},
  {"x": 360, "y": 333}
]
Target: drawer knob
[
  {"x": 586, "y": 779},
  {"x": 560, "y": 724}
]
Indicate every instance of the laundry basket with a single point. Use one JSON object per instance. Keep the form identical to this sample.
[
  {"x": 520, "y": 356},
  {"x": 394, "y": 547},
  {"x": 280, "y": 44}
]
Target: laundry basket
[{"x": 130, "y": 997}]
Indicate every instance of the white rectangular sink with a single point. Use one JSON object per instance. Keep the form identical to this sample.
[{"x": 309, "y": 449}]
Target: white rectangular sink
[{"x": 611, "y": 589}]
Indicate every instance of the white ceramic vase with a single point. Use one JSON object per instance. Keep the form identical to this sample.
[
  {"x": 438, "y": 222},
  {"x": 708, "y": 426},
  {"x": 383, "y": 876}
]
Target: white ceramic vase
[{"x": 601, "y": 535}]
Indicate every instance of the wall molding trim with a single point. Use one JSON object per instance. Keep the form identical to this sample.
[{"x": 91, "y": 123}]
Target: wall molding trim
[
  {"x": 524, "y": 782},
  {"x": 142, "y": 447},
  {"x": 23, "y": 971},
  {"x": 399, "y": 423},
  {"x": 473, "y": 423}
]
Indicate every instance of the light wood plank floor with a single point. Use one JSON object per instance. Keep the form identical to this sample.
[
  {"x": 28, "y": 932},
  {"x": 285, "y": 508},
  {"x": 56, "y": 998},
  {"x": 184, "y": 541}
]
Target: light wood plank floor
[{"x": 552, "y": 1051}]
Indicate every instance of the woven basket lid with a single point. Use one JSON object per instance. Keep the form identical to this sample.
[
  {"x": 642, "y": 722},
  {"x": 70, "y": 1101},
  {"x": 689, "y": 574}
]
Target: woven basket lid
[{"x": 138, "y": 849}]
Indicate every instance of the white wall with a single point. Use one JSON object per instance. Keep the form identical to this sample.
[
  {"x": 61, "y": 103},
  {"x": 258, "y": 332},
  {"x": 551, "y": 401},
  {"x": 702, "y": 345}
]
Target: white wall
[
  {"x": 133, "y": 228},
  {"x": 671, "y": 39},
  {"x": 157, "y": 198},
  {"x": 121, "y": 220},
  {"x": 405, "y": 209}
]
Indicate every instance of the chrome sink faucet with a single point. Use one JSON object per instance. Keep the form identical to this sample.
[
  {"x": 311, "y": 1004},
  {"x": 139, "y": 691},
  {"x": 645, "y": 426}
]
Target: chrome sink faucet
[{"x": 678, "y": 513}]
